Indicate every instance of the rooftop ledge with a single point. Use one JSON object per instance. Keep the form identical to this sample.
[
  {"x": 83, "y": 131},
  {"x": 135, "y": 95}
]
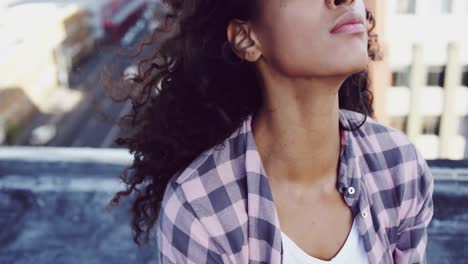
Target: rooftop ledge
[{"x": 52, "y": 201}]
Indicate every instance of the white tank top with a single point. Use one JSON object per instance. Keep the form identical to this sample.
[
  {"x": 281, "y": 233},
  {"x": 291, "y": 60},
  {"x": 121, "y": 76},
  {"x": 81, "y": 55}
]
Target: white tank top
[{"x": 353, "y": 249}]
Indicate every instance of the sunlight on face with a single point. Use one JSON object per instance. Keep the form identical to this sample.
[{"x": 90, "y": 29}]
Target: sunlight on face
[{"x": 296, "y": 38}]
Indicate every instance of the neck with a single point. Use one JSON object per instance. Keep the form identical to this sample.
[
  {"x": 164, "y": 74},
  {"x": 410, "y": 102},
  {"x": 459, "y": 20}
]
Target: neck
[{"x": 297, "y": 129}]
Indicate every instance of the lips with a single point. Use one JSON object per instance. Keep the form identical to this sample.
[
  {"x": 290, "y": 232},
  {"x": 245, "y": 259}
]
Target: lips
[{"x": 348, "y": 19}]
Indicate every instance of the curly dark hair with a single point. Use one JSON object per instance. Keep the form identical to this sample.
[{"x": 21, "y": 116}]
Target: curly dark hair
[{"x": 191, "y": 93}]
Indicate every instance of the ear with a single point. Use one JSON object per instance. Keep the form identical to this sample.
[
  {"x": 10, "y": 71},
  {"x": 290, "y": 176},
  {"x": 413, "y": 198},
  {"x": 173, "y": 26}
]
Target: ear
[{"x": 243, "y": 40}]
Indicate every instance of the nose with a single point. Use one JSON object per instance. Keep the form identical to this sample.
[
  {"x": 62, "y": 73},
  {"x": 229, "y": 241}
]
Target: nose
[{"x": 335, "y": 3}]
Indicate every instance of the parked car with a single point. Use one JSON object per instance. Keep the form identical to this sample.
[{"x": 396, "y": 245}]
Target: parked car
[{"x": 43, "y": 134}]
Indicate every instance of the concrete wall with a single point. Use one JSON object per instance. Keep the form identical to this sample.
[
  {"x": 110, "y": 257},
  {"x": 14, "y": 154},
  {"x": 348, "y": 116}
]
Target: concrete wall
[{"x": 53, "y": 209}]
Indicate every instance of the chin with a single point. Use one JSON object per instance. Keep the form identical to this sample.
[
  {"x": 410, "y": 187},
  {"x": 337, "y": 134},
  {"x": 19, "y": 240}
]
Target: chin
[
  {"x": 359, "y": 67},
  {"x": 356, "y": 64}
]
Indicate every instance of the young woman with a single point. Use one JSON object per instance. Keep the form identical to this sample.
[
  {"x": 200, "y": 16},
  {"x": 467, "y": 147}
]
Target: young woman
[{"x": 254, "y": 142}]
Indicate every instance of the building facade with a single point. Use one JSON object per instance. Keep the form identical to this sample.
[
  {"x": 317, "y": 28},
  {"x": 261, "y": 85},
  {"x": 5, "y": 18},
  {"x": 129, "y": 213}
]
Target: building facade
[{"x": 428, "y": 60}]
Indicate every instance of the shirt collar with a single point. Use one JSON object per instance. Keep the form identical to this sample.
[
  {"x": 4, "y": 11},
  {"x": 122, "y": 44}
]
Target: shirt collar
[{"x": 349, "y": 172}]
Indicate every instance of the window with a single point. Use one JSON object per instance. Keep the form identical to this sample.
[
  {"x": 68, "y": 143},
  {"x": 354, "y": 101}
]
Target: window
[
  {"x": 399, "y": 122},
  {"x": 463, "y": 126},
  {"x": 436, "y": 76},
  {"x": 438, "y": 7},
  {"x": 406, "y": 7},
  {"x": 431, "y": 125},
  {"x": 463, "y": 131},
  {"x": 465, "y": 76},
  {"x": 447, "y": 6},
  {"x": 401, "y": 77}
]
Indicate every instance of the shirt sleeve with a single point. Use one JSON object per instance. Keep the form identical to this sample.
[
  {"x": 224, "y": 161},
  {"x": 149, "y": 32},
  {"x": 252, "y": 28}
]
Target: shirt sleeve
[
  {"x": 412, "y": 234},
  {"x": 180, "y": 235}
]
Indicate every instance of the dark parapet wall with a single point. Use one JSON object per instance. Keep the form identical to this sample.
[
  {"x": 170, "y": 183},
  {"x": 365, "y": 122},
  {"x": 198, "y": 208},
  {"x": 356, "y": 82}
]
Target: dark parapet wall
[
  {"x": 53, "y": 209},
  {"x": 448, "y": 231},
  {"x": 66, "y": 227}
]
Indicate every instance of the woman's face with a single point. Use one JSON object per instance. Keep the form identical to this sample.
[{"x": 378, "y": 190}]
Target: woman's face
[{"x": 296, "y": 39}]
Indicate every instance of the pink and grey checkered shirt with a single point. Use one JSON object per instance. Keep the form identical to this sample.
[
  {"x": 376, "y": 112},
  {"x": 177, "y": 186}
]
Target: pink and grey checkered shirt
[{"x": 220, "y": 208}]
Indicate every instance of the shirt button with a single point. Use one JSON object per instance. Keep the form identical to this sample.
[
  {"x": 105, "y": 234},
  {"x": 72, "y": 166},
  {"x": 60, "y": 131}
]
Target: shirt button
[
  {"x": 351, "y": 190},
  {"x": 364, "y": 214}
]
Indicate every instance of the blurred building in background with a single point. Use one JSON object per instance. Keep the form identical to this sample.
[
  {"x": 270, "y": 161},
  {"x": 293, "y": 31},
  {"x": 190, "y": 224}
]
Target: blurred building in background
[
  {"x": 428, "y": 57},
  {"x": 44, "y": 44},
  {"x": 36, "y": 54},
  {"x": 421, "y": 86}
]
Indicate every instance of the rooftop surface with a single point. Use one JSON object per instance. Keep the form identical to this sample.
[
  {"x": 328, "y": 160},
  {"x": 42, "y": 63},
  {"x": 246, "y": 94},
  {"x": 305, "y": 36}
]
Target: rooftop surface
[{"x": 53, "y": 209}]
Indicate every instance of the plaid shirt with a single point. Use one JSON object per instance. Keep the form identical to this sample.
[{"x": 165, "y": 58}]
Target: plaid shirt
[{"x": 220, "y": 208}]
